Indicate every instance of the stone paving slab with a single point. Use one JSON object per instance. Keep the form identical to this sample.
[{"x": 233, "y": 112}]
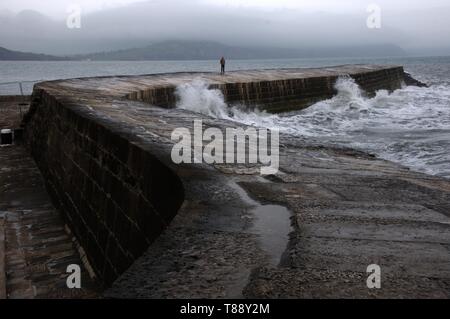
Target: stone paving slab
[
  {"x": 36, "y": 247},
  {"x": 286, "y": 283}
]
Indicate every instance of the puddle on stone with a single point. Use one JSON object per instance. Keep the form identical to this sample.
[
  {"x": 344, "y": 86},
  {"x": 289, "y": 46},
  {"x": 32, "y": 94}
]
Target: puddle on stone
[{"x": 271, "y": 222}]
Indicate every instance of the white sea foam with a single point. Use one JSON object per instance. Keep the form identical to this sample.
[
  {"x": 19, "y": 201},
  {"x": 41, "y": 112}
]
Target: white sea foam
[
  {"x": 196, "y": 96},
  {"x": 410, "y": 126}
]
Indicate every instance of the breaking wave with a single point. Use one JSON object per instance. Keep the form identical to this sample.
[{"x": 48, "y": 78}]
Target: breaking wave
[
  {"x": 410, "y": 126},
  {"x": 196, "y": 96}
]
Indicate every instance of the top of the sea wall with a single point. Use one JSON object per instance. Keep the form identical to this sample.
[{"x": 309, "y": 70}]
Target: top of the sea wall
[
  {"x": 87, "y": 134},
  {"x": 121, "y": 86},
  {"x": 275, "y": 90},
  {"x": 104, "y": 154}
]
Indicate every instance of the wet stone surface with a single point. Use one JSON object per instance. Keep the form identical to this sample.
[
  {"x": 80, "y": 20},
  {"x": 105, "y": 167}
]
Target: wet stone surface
[
  {"x": 37, "y": 247},
  {"x": 34, "y": 244},
  {"x": 348, "y": 209}
]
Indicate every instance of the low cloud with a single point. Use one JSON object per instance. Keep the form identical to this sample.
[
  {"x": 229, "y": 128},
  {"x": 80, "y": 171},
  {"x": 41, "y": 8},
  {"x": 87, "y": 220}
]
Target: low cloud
[{"x": 287, "y": 26}]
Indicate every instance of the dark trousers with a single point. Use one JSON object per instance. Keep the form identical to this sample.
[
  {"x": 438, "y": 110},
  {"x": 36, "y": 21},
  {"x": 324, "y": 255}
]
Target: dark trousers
[{"x": 222, "y": 70}]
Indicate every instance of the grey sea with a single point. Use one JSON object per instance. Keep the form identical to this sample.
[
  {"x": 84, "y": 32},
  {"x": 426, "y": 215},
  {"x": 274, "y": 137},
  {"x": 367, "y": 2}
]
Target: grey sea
[{"x": 410, "y": 126}]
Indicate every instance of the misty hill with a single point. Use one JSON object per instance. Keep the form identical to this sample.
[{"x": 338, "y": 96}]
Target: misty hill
[
  {"x": 9, "y": 55},
  {"x": 207, "y": 50},
  {"x": 417, "y": 30}
]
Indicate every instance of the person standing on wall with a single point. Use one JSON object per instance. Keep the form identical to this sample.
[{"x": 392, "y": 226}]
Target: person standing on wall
[{"x": 222, "y": 66}]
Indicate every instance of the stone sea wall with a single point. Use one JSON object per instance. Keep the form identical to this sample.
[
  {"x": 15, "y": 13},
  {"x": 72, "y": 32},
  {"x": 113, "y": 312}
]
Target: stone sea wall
[
  {"x": 116, "y": 197},
  {"x": 282, "y": 95},
  {"x": 106, "y": 159}
]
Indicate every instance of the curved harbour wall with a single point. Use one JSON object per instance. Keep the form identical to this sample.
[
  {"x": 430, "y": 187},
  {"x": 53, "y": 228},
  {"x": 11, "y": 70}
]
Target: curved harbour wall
[
  {"x": 280, "y": 95},
  {"x": 106, "y": 160},
  {"x": 116, "y": 197}
]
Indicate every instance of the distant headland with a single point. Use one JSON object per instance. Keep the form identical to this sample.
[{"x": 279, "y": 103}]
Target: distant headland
[{"x": 208, "y": 50}]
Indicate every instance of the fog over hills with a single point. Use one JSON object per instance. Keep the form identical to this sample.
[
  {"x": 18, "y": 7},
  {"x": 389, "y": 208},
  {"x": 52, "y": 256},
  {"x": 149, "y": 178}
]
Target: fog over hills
[
  {"x": 207, "y": 50},
  {"x": 9, "y": 55},
  {"x": 152, "y": 22}
]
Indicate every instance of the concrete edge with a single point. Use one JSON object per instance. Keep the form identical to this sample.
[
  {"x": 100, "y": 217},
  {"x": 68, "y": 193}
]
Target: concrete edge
[{"x": 2, "y": 257}]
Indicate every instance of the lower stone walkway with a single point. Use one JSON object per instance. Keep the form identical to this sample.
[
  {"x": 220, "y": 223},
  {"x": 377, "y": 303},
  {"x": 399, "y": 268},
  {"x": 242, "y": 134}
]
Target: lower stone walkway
[{"x": 35, "y": 248}]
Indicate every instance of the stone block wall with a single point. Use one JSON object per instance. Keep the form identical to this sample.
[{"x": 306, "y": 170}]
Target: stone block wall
[
  {"x": 14, "y": 98},
  {"x": 160, "y": 96},
  {"x": 116, "y": 197},
  {"x": 295, "y": 94},
  {"x": 282, "y": 95}
]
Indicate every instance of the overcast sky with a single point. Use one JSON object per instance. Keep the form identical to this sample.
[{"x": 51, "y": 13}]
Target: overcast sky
[
  {"x": 112, "y": 24},
  {"x": 57, "y": 8}
]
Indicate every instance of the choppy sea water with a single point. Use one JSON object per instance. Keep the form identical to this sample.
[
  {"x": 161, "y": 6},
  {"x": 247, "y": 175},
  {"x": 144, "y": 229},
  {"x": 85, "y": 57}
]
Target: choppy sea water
[{"x": 410, "y": 126}]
